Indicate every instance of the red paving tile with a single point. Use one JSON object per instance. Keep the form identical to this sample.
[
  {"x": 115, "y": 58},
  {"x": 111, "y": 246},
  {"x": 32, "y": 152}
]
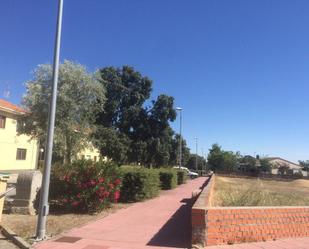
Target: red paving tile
[
  {"x": 95, "y": 247},
  {"x": 163, "y": 222}
]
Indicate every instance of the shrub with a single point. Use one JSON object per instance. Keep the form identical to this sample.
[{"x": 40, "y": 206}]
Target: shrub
[
  {"x": 85, "y": 185},
  {"x": 139, "y": 184},
  {"x": 181, "y": 177},
  {"x": 168, "y": 178}
]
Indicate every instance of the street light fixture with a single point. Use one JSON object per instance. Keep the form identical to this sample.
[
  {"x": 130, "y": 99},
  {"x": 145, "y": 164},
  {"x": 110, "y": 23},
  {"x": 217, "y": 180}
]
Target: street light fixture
[
  {"x": 180, "y": 139},
  {"x": 43, "y": 206}
]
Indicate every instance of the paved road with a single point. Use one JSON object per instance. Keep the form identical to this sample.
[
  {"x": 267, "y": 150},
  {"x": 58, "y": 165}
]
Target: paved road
[{"x": 160, "y": 223}]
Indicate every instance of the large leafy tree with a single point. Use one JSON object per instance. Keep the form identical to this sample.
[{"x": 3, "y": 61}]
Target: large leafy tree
[
  {"x": 126, "y": 92},
  {"x": 198, "y": 161},
  {"x": 80, "y": 98},
  {"x": 160, "y": 135},
  {"x": 265, "y": 165},
  {"x": 142, "y": 130},
  {"x": 174, "y": 153},
  {"x": 219, "y": 159}
]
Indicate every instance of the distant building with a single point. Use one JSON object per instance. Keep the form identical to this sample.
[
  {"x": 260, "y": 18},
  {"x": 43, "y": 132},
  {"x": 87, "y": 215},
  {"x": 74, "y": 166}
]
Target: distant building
[
  {"x": 249, "y": 164},
  {"x": 17, "y": 152},
  {"x": 292, "y": 168}
]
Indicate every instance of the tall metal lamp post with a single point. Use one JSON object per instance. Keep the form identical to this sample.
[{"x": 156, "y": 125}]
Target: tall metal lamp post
[
  {"x": 195, "y": 153},
  {"x": 180, "y": 138},
  {"x": 43, "y": 206}
]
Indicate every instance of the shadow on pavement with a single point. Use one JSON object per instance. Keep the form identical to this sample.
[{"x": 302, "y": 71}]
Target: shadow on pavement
[{"x": 176, "y": 232}]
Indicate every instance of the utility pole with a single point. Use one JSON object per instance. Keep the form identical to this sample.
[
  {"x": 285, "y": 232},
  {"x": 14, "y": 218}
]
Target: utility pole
[
  {"x": 195, "y": 153},
  {"x": 203, "y": 156},
  {"x": 43, "y": 206},
  {"x": 180, "y": 138}
]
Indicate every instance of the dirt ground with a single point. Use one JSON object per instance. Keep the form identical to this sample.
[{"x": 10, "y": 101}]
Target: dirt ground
[
  {"x": 230, "y": 191},
  {"x": 6, "y": 243},
  {"x": 24, "y": 225}
]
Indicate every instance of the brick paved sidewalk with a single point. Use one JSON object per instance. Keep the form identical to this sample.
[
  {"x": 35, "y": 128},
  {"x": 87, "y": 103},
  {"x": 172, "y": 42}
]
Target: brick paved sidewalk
[{"x": 163, "y": 222}]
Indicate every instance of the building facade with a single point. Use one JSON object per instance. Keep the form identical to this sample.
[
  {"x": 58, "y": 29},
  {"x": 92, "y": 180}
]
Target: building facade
[
  {"x": 17, "y": 152},
  {"x": 90, "y": 153},
  {"x": 292, "y": 168}
]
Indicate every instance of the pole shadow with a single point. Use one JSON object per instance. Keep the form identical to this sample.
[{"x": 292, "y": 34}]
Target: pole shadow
[{"x": 176, "y": 232}]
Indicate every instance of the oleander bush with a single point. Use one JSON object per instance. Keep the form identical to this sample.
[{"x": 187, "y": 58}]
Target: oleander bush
[
  {"x": 181, "y": 177},
  {"x": 139, "y": 184},
  {"x": 85, "y": 185},
  {"x": 168, "y": 178}
]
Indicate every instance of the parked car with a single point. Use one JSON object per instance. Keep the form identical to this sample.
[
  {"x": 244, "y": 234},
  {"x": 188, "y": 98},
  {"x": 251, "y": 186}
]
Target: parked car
[{"x": 191, "y": 174}]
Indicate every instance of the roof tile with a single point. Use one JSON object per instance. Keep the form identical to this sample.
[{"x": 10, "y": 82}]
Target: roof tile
[{"x": 11, "y": 107}]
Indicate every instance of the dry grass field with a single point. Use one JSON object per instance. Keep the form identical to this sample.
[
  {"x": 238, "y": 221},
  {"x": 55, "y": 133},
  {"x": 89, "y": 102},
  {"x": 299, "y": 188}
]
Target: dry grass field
[{"x": 231, "y": 191}]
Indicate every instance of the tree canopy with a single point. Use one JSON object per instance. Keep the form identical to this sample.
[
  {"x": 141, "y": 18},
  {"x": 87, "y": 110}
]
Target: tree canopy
[
  {"x": 110, "y": 108},
  {"x": 140, "y": 127},
  {"x": 221, "y": 160},
  {"x": 80, "y": 97}
]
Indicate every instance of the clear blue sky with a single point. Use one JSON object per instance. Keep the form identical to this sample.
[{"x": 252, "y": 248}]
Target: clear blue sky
[{"x": 239, "y": 69}]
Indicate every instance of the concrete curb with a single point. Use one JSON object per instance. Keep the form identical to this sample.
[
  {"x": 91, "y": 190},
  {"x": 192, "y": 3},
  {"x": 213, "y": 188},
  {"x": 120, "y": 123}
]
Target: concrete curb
[{"x": 18, "y": 241}]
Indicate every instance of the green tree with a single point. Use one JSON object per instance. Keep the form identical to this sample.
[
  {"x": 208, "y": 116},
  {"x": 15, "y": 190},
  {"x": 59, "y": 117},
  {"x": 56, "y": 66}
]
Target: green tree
[
  {"x": 265, "y": 165},
  {"x": 160, "y": 135},
  {"x": 126, "y": 92},
  {"x": 112, "y": 144},
  {"x": 174, "y": 153},
  {"x": 219, "y": 159},
  {"x": 304, "y": 164},
  {"x": 215, "y": 158},
  {"x": 80, "y": 98},
  {"x": 146, "y": 128},
  {"x": 250, "y": 163},
  {"x": 191, "y": 163}
]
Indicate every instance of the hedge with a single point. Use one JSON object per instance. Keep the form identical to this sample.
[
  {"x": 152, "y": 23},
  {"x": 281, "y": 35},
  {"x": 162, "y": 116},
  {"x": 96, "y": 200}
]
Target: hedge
[
  {"x": 85, "y": 185},
  {"x": 168, "y": 178},
  {"x": 139, "y": 184},
  {"x": 181, "y": 177}
]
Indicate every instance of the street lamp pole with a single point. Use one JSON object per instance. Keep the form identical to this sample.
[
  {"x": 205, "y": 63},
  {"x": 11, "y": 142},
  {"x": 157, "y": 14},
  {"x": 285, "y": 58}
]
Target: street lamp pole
[
  {"x": 180, "y": 138},
  {"x": 195, "y": 153},
  {"x": 43, "y": 206}
]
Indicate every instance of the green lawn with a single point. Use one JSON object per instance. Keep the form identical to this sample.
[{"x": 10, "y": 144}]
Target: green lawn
[{"x": 230, "y": 191}]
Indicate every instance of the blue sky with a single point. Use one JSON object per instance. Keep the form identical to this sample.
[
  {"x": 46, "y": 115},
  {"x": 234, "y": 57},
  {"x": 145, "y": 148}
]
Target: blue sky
[{"x": 239, "y": 68}]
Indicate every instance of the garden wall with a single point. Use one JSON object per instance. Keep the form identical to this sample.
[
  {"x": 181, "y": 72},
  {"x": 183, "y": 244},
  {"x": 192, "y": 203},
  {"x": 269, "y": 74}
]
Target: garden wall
[{"x": 228, "y": 225}]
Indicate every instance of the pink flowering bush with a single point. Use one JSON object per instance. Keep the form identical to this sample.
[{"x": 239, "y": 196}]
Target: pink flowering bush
[{"x": 85, "y": 185}]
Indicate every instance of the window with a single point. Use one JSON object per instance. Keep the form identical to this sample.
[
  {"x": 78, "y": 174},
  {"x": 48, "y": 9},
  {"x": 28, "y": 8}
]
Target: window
[
  {"x": 2, "y": 121},
  {"x": 19, "y": 125},
  {"x": 21, "y": 154}
]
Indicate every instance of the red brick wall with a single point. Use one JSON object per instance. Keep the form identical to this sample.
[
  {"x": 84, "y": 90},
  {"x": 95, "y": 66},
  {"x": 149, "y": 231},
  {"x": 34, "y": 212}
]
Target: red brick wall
[
  {"x": 198, "y": 214},
  {"x": 228, "y": 225},
  {"x": 236, "y": 225}
]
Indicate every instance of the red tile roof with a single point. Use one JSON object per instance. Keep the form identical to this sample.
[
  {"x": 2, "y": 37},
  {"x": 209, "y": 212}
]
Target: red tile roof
[{"x": 7, "y": 106}]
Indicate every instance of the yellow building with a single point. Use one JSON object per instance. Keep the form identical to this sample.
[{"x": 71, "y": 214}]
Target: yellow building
[
  {"x": 17, "y": 152},
  {"x": 89, "y": 153}
]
